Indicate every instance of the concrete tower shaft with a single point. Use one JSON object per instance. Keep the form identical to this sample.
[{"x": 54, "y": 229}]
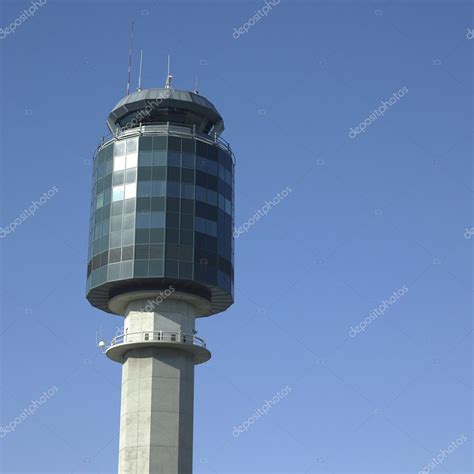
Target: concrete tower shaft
[{"x": 156, "y": 419}]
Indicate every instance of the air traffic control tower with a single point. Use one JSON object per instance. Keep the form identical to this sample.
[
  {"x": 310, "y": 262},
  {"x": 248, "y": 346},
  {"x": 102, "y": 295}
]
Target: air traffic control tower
[{"x": 161, "y": 256}]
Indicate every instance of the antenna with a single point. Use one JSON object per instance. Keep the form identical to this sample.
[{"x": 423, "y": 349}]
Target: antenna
[
  {"x": 130, "y": 59},
  {"x": 196, "y": 86},
  {"x": 140, "y": 74},
  {"x": 169, "y": 77}
]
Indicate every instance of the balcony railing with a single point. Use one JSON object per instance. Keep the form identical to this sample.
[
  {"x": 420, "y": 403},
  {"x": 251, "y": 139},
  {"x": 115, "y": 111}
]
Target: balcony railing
[
  {"x": 175, "y": 337},
  {"x": 167, "y": 129}
]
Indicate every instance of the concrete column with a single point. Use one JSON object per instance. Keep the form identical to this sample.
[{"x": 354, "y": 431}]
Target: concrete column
[{"x": 156, "y": 420}]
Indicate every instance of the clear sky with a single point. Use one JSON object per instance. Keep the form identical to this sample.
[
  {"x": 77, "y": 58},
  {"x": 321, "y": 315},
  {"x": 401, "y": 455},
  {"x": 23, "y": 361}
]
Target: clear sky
[{"x": 370, "y": 213}]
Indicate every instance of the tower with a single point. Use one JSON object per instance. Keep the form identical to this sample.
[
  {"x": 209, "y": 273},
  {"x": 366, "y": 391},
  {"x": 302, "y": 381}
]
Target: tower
[{"x": 161, "y": 256}]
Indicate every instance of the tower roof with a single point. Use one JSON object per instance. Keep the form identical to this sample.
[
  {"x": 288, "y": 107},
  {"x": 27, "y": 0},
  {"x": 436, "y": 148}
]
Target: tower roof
[{"x": 163, "y": 105}]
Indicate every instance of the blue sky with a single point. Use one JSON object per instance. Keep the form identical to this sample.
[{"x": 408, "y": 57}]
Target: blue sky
[{"x": 366, "y": 216}]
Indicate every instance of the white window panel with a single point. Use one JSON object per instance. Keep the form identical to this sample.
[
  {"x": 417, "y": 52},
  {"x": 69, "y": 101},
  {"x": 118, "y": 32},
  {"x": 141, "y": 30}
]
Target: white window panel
[
  {"x": 132, "y": 160},
  {"x": 117, "y": 193},
  {"x": 119, "y": 163},
  {"x": 130, "y": 190}
]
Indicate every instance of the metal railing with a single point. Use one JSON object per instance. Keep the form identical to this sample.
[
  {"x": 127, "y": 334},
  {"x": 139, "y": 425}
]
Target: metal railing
[
  {"x": 167, "y": 129},
  {"x": 156, "y": 336}
]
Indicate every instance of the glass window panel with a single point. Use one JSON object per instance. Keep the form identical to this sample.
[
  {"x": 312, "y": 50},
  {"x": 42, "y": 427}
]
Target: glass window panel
[
  {"x": 158, "y": 203},
  {"x": 114, "y": 271},
  {"x": 142, "y": 252},
  {"x": 186, "y": 253},
  {"x": 98, "y": 230},
  {"x": 143, "y": 220},
  {"x": 159, "y": 173},
  {"x": 132, "y": 144},
  {"x": 172, "y": 236},
  {"x": 115, "y": 223},
  {"x": 158, "y": 188},
  {"x": 187, "y": 221},
  {"x": 159, "y": 143},
  {"x": 144, "y": 173},
  {"x": 211, "y": 197},
  {"x": 143, "y": 236},
  {"x": 145, "y": 158},
  {"x": 187, "y": 191},
  {"x": 228, "y": 177},
  {"x": 100, "y": 201},
  {"x": 109, "y": 167},
  {"x": 212, "y": 228},
  {"x": 157, "y": 236},
  {"x": 141, "y": 268},
  {"x": 172, "y": 252},
  {"x": 171, "y": 268},
  {"x": 221, "y": 172},
  {"x": 115, "y": 255},
  {"x": 200, "y": 193},
  {"x": 188, "y": 160},
  {"x": 128, "y": 237},
  {"x": 131, "y": 175},
  {"x": 128, "y": 221},
  {"x": 117, "y": 208},
  {"x": 119, "y": 163},
  {"x": 129, "y": 206},
  {"x": 115, "y": 239},
  {"x": 174, "y": 158},
  {"x": 221, "y": 202},
  {"x": 127, "y": 253},
  {"x": 130, "y": 190},
  {"x": 201, "y": 163},
  {"x": 173, "y": 189},
  {"x": 156, "y": 268},
  {"x": 144, "y": 189},
  {"x": 172, "y": 204},
  {"x": 146, "y": 143},
  {"x": 159, "y": 158},
  {"x": 118, "y": 178},
  {"x": 212, "y": 167},
  {"x": 117, "y": 193},
  {"x": 200, "y": 225},
  {"x": 228, "y": 207},
  {"x": 127, "y": 269},
  {"x": 132, "y": 160},
  {"x": 157, "y": 219},
  {"x": 185, "y": 270},
  {"x": 156, "y": 251},
  {"x": 119, "y": 148}
]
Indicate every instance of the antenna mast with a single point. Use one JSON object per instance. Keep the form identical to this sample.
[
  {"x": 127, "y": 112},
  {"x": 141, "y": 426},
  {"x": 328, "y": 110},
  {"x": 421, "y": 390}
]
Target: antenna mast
[
  {"x": 130, "y": 59},
  {"x": 169, "y": 77},
  {"x": 140, "y": 74},
  {"x": 196, "y": 86}
]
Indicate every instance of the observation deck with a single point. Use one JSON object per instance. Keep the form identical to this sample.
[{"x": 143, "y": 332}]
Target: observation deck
[{"x": 122, "y": 343}]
